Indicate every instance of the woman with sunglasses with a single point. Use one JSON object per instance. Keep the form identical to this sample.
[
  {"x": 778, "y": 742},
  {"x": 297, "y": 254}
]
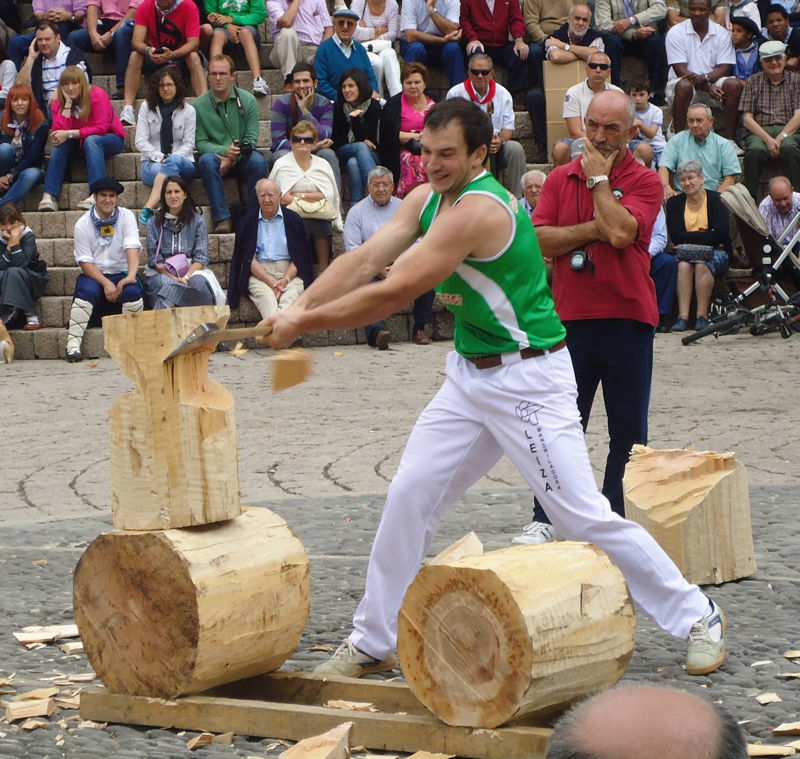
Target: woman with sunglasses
[
  {"x": 401, "y": 123},
  {"x": 177, "y": 253},
  {"x": 165, "y": 133},
  {"x": 576, "y": 103},
  {"x": 356, "y": 116},
  {"x": 22, "y": 139},
  {"x": 309, "y": 187}
]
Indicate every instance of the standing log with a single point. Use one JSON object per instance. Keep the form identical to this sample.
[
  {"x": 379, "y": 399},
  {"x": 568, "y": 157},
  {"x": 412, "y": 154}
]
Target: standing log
[
  {"x": 697, "y": 506},
  {"x": 521, "y": 631},
  {"x": 173, "y": 439},
  {"x": 170, "y": 612}
]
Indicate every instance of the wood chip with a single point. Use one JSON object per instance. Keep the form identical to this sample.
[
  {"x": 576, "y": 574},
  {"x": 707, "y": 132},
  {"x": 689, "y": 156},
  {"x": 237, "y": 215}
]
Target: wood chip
[
  {"x": 768, "y": 698},
  {"x": 794, "y": 744},
  {"x": 788, "y": 675},
  {"x": 85, "y": 677},
  {"x": 43, "y": 707},
  {"x": 226, "y": 739},
  {"x": 68, "y": 702},
  {"x": 35, "y": 724},
  {"x": 333, "y": 744},
  {"x": 794, "y": 654},
  {"x": 6, "y": 681},
  {"x": 96, "y": 725},
  {"x": 761, "y": 663},
  {"x": 41, "y": 562},
  {"x": 46, "y": 634},
  {"x": 429, "y": 755},
  {"x": 787, "y": 728},
  {"x": 353, "y": 706},
  {"x": 73, "y": 647},
  {"x": 204, "y": 739},
  {"x": 239, "y": 350},
  {"x": 290, "y": 367},
  {"x": 320, "y": 648},
  {"x": 757, "y": 749},
  {"x": 38, "y": 693}
]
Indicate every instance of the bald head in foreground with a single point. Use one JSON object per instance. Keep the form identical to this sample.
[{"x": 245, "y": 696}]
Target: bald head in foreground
[{"x": 643, "y": 722}]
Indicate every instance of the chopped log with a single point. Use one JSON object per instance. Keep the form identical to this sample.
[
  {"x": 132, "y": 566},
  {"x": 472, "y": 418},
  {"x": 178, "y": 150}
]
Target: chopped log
[
  {"x": 697, "y": 506},
  {"x": 173, "y": 438},
  {"x": 469, "y": 545},
  {"x": 38, "y": 707},
  {"x": 516, "y": 632},
  {"x": 166, "y": 613},
  {"x": 334, "y": 744}
]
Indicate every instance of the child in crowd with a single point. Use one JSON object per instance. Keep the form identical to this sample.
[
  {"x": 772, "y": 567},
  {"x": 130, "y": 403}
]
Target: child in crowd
[
  {"x": 648, "y": 145},
  {"x": 745, "y": 36}
]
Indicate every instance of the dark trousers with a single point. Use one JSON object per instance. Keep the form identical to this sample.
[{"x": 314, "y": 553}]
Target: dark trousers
[
  {"x": 519, "y": 77},
  {"x": 756, "y": 156},
  {"x": 537, "y": 110},
  {"x": 651, "y": 49},
  {"x": 664, "y": 273},
  {"x": 617, "y": 353},
  {"x": 423, "y": 314},
  {"x": 449, "y": 55}
]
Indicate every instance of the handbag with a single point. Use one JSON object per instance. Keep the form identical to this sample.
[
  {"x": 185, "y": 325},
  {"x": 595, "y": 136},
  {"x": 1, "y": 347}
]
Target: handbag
[
  {"x": 377, "y": 46},
  {"x": 689, "y": 252},
  {"x": 177, "y": 265},
  {"x": 314, "y": 209}
]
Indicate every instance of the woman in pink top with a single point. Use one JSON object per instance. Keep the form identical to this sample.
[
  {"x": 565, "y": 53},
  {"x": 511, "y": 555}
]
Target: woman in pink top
[{"x": 83, "y": 119}]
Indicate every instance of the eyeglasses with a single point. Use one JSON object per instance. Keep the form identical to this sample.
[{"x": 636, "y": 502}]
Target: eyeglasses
[
  {"x": 601, "y": 66},
  {"x": 480, "y": 72},
  {"x": 307, "y": 140}
]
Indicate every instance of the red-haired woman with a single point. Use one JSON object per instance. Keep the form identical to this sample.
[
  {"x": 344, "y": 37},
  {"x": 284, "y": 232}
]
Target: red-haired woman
[{"x": 23, "y": 134}]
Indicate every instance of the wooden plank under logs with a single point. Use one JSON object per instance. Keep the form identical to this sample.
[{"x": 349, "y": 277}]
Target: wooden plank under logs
[{"x": 252, "y": 715}]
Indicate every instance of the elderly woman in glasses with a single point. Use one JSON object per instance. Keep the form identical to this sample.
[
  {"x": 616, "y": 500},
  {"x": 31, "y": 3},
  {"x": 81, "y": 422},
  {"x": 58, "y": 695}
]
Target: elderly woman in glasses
[
  {"x": 698, "y": 217},
  {"x": 309, "y": 188}
]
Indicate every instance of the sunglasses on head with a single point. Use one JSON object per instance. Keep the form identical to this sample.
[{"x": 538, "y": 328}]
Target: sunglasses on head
[
  {"x": 480, "y": 72},
  {"x": 307, "y": 140},
  {"x": 601, "y": 66}
]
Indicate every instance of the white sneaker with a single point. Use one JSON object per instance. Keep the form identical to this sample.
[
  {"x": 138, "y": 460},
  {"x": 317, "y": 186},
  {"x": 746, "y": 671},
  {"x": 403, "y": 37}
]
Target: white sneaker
[
  {"x": 706, "y": 650},
  {"x": 535, "y": 533},
  {"x": 736, "y": 148},
  {"x": 260, "y": 87},
  {"x": 127, "y": 116},
  {"x": 348, "y": 661}
]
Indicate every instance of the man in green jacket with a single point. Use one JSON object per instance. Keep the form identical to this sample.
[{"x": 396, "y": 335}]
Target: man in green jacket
[{"x": 227, "y": 132}]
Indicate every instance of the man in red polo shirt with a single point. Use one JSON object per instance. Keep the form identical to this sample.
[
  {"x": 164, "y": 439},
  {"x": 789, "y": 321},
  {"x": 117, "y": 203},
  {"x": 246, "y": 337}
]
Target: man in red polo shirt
[
  {"x": 594, "y": 218},
  {"x": 486, "y": 28}
]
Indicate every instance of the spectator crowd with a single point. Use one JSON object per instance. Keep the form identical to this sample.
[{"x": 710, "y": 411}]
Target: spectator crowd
[{"x": 720, "y": 103}]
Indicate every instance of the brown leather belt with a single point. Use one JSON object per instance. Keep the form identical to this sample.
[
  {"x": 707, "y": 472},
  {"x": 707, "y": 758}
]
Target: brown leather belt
[{"x": 496, "y": 359}]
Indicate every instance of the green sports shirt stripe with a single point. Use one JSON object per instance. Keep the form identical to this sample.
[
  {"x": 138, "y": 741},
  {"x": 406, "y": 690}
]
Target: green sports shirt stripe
[{"x": 501, "y": 304}]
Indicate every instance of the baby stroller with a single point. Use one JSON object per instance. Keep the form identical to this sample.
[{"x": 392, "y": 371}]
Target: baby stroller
[{"x": 768, "y": 257}]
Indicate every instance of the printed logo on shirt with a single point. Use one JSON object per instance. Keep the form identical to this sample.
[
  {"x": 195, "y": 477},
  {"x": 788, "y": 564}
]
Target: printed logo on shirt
[
  {"x": 618, "y": 193},
  {"x": 451, "y": 299}
]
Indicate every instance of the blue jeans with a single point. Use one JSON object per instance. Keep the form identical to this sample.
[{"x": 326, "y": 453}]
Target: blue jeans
[
  {"x": 359, "y": 159},
  {"x": 253, "y": 168},
  {"x": 175, "y": 165},
  {"x": 120, "y": 44},
  {"x": 95, "y": 148},
  {"x": 24, "y": 183},
  {"x": 448, "y": 55},
  {"x": 617, "y": 353}
]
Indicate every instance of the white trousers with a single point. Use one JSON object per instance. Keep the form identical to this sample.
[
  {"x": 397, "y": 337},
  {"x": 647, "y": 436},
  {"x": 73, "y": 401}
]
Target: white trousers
[
  {"x": 528, "y": 410},
  {"x": 386, "y": 67}
]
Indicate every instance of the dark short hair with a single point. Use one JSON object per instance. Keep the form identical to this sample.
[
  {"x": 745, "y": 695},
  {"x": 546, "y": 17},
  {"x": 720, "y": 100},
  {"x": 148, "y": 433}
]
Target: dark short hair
[
  {"x": 10, "y": 212},
  {"x": 154, "y": 82},
  {"x": 775, "y": 8},
  {"x": 476, "y": 126},
  {"x": 51, "y": 25},
  {"x": 359, "y": 76},
  {"x": 640, "y": 85},
  {"x": 303, "y": 66}
]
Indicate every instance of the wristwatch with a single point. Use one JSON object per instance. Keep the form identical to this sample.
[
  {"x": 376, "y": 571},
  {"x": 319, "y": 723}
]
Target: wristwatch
[
  {"x": 567, "y": 47},
  {"x": 592, "y": 182}
]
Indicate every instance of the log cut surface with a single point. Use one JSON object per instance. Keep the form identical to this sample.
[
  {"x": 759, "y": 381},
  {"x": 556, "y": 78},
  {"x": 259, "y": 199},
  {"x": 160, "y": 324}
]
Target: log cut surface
[
  {"x": 521, "y": 631},
  {"x": 164, "y": 613},
  {"x": 696, "y": 504}
]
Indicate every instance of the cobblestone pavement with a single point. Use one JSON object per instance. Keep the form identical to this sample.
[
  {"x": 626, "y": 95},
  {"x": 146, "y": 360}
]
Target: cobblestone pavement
[{"x": 321, "y": 456}]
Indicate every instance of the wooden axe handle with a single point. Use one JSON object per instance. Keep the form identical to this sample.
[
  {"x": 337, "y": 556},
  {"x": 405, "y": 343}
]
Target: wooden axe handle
[{"x": 241, "y": 332}]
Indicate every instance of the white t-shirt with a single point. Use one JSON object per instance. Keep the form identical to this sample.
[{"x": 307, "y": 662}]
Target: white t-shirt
[
  {"x": 701, "y": 56},
  {"x": 653, "y": 115},
  {"x": 110, "y": 259},
  {"x": 577, "y": 99},
  {"x": 503, "y": 105}
]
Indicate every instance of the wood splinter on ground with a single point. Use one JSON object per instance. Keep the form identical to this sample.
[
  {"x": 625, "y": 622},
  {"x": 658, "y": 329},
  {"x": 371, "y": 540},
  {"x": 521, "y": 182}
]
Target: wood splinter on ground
[
  {"x": 697, "y": 506},
  {"x": 333, "y": 744}
]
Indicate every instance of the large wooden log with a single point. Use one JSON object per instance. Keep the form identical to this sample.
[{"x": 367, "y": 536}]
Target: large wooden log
[
  {"x": 173, "y": 438},
  {"x": 697, "y": 506},
  {"x": 516, "y": 632},
  {"x": 170, "y": 612}
]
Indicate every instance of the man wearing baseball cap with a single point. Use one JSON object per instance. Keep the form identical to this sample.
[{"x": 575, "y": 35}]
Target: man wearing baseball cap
[
  {"x": 770, "y": 107},
  {"x": 107, "y": 252},
  {"x": 341, "y": 52}
]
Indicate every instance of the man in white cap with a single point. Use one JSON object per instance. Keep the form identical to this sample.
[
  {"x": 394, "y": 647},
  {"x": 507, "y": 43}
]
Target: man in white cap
[
  {"x": 770, "y": 107},
  {"x": 107, "y": 252}
]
